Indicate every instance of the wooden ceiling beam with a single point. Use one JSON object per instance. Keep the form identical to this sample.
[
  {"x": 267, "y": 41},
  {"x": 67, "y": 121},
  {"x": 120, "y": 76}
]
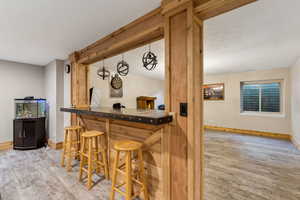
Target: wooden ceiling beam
[
  {"x": 137, "y": 40},
  {"x": 145, "y": 29},
  {"x": 214, "y": 8}
]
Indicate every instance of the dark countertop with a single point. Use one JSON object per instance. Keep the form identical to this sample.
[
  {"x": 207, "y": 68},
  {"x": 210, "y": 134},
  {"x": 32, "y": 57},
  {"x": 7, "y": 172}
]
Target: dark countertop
[{"x": 154, "y": 117}]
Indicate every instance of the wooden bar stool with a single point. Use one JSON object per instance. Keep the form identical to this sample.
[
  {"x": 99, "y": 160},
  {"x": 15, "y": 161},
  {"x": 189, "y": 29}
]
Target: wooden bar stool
[
  {"x": 71, "y": 145},
  {"x": 129, "y": 148},
  {"x": 89, "y": 156}
]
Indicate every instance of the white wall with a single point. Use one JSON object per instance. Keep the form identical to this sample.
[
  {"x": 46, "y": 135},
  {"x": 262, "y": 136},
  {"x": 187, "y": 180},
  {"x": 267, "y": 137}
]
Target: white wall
[
  {"x": 59, "y": 100},
  {"x": 17, "y": 80},
  {"x": 139, "y": 81},
  {"x": 295, "y": 102},
  {"x": 50, "y": 95},
  {"x": 54, "y": 93},
  {"x": 227, "y": 113},
  {"x": 133, "y": 86}
]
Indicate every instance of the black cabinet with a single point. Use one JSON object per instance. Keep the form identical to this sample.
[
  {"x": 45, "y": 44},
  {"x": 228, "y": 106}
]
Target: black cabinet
[{"x": 29, "y": 133}]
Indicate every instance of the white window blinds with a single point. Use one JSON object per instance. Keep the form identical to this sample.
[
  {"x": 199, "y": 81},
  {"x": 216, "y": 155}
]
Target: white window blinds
[{"x": 261, "y": 97}]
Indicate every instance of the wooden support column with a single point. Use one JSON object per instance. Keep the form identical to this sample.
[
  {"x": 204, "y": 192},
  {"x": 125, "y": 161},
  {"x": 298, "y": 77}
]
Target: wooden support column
[
  {"x": 184, "y": 76},
  {"x": 79, "y": 84},
  {"x": 180, "y": 22}
]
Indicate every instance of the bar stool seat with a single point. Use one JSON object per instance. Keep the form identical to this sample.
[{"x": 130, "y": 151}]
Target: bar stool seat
[
  {"x": 89, "y": 134},
  {"x": 129, "y": 147},
  {"x": 93, "y": 156},
  {"x": 71, "y": 145},
  {"x": 73, "y": 127}
]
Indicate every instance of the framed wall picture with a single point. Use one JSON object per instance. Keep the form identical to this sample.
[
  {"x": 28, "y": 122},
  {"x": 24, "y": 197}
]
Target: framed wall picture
[{"x": 215, "y": 92}]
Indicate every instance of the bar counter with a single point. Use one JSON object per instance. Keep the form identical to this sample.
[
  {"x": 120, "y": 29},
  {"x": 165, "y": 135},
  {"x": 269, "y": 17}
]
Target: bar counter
[
  {"x": 150, "y": 127},
  {"x": 154, "y": 117}
]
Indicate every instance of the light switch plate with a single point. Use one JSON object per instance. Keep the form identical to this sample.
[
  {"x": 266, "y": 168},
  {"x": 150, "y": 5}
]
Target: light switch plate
[{"x": 183, "y": 109}]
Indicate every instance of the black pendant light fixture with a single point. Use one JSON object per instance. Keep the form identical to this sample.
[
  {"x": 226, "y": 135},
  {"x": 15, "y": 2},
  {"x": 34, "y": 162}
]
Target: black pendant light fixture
[
  {"x": 103, "y": 72},
  {"x": 149, "y": 60},
  {"x": 123, "y": 67}
]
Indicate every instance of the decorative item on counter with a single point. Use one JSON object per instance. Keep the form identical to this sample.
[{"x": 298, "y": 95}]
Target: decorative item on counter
[
  {"x": 118, "y": 106},
  {"x": 144, "y": 102},
  {"x": 149, "y": 60},
  {"x": 161, "y": 107},
  {"x": 116, "y": 87},
  {"x": 116, "y": 82},
  {"x": 123, "y": 67},
  {"x": 102, "y": 72}
]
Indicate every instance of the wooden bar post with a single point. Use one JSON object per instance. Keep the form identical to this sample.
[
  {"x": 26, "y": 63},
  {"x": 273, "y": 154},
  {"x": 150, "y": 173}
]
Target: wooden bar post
[
  {"x": 180, "y": 23},
  {"x": 79, "y": 84},
  {"x": 184, "y": 76}
]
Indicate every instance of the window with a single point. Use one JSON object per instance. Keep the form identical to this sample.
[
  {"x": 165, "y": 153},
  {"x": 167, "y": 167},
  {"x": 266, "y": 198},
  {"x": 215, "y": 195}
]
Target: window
[{"x": 261, "y": 96}]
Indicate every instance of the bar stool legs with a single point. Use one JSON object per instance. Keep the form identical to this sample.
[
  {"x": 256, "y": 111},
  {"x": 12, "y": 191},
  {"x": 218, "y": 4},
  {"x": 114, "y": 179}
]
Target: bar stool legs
[
  {"x": 90, "y": 163},
  {"x": 114, "y": 178},
  {"x": 129, "y": 147},
  {"x": 142, "y": 174},
  {"x": 71, "y": 145},
  {"x": 82, "y": 158},
  {"x": 90, "y": 152},
  {"x": 128, "y": 176},
  {"x": 64, "y": 149}
]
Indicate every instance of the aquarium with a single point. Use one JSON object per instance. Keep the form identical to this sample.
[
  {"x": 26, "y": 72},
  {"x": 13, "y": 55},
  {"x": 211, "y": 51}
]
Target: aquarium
[{"x": 30, "y": 108}]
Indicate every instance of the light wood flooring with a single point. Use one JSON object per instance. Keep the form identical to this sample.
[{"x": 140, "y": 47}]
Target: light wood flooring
[
  {"x": 237, "y": 167},
  {"x": 240, "y": 167}
]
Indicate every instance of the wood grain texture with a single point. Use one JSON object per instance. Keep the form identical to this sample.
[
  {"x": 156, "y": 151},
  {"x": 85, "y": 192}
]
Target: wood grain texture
[
  {"x": 183, "y": 36},
  {"x": 138, "y": 33},
  {"x": 53, "y": 145},
  {"x": 149, "y": 135},
  {"x": 79, "y": 87},
  {"x": 139, "y": 39},
  {"x": 250, "y": 132},
  {"x": 212, "y": 8},
  {"x": 178, "y": 93},
  {"x": 243, "y": 167},
  {"x": 198, "y": 133},
  {"x": 79, "y": 82},
  {"x": 6, "y": 145},
  {"x": 195, "y": 105},
  {"x": 165, "y": 164}
]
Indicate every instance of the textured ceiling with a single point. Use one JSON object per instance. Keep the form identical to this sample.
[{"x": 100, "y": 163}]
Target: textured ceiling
[
  {"x": 262, "y": 35},
  {"x": 38, "y": 31}
]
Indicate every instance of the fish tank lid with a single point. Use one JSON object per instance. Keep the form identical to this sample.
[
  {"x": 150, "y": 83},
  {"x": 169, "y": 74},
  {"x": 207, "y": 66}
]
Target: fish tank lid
[{"x": 31, "y": 99}]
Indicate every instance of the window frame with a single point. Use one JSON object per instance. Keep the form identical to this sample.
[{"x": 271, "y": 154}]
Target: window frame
[{"x": 262, "y": 113}]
